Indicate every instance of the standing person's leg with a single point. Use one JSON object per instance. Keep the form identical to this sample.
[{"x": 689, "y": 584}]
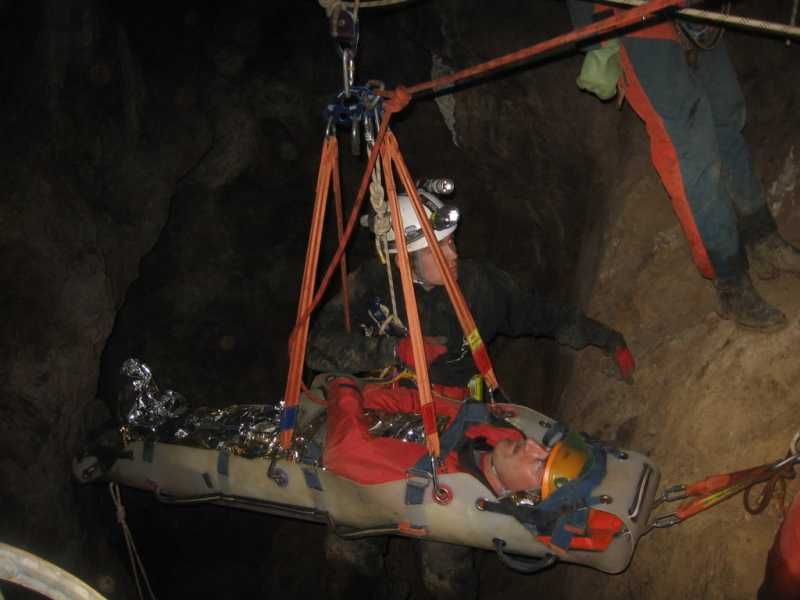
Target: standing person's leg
[
  {"x": 769, "y": 253},
  {"x": 666, "y": 95},
  {"x": 716, "y": 75}
]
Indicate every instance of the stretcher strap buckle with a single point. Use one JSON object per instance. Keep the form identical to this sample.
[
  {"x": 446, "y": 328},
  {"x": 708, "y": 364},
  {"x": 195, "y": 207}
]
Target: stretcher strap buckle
[{"x": 417, "y": 481}]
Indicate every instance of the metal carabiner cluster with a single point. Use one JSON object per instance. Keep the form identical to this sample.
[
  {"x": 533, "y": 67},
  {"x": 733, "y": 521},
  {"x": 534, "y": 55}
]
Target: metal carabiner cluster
[{"x": 357, "y": 108}]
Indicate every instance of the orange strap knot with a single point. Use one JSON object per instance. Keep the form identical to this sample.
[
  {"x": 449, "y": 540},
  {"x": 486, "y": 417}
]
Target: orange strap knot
[{"x": 398, "y": 100}]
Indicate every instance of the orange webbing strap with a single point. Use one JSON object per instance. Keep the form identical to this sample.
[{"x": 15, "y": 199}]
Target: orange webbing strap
[
  {"x": 388, "y": 155},
  {"x": 337, "y": 203},
  {"x": 299, "y": 336},
  {"x": 354, "y": 213},
  {"x": 479, "y": 352},
  {"x": 297, "y": 341},
  {"x": 712, "y": 490},
  {"x": 630, "y": 18},
  {"x": 635, "y": 16}
]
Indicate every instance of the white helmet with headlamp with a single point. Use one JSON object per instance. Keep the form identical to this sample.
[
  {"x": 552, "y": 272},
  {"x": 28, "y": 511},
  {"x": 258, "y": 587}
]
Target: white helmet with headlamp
[{"x": 443, "y": 219}]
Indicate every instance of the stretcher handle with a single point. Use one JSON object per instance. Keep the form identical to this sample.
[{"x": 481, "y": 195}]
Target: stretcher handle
[{"x": 527, "y": 566}]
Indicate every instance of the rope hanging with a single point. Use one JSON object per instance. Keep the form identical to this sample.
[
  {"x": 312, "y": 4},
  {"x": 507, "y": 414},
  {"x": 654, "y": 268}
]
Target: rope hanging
[
  {"x": 381, "y": 227},
  {"x": 137, "y": 566}
]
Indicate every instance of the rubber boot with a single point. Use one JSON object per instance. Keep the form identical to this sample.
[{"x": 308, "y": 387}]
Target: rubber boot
[
  {"x": 740, "y": 302},
  {"x": 769, "y": 254}
]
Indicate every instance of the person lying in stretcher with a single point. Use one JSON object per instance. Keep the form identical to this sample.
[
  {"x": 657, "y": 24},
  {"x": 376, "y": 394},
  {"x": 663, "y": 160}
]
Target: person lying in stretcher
[{"x": 494, "y": 451}]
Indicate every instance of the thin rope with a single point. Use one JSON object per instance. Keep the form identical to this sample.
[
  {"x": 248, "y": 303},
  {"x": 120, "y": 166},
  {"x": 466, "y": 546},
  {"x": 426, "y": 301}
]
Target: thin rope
[
  {"x": 707, "y": 15},
  {"x": 392, "y": 318},
  {"x": 381, "y": 228},
  {"x": 137, "y": 565}
]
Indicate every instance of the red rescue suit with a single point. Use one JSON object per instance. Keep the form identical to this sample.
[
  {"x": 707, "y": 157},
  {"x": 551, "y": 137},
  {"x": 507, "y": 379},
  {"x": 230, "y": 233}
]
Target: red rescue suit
[
  {"x": 782, "y": 576},
  {"x": 352, "y": 452}
]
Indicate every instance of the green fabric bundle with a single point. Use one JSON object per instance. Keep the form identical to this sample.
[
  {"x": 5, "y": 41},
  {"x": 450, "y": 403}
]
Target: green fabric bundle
[{"x": 601, "y": 70}]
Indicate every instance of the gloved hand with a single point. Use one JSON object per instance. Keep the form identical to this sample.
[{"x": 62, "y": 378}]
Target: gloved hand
[
  {"x": 434, "y": 348},
  {"x": 623, "y": 358}
]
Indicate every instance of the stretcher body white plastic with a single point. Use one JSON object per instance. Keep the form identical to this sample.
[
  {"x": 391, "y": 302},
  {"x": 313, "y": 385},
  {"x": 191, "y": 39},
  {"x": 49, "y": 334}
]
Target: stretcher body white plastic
[{"x": 179, "y": 473}]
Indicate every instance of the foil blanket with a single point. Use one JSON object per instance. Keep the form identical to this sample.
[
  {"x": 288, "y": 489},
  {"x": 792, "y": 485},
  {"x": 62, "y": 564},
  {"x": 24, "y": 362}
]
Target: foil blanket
[
  {"x": 250, "y": 430},
  {"x": 145, "y": 412}
]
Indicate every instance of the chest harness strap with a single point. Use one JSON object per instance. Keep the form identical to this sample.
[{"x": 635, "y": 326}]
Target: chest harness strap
[{"x": 420, "y": 475}]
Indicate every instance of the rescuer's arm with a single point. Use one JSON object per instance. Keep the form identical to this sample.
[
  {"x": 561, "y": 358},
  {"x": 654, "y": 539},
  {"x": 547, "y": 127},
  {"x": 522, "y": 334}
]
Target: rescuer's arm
[
  {"x": 528, "y": 313},
  {"x": 332, "y": 349}
]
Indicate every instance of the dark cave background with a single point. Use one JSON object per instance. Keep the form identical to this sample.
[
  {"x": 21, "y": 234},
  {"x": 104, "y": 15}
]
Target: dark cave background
[{"x": 158, "y": 166}]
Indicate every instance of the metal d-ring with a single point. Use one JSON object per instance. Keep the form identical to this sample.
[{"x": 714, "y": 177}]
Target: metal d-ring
[{"x": 443, "y": 495}]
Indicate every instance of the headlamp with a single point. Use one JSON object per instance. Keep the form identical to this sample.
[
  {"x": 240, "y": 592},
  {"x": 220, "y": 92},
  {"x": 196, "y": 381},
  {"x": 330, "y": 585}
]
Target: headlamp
[{"x": 441, "y": 218}]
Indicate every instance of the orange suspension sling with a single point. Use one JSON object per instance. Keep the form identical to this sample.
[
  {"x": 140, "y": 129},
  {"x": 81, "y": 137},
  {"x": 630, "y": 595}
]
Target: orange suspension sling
[{"x": 392, "y": 160}]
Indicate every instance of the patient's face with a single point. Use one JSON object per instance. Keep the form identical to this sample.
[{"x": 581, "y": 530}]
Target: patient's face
[{"x": 519, "y": 464}]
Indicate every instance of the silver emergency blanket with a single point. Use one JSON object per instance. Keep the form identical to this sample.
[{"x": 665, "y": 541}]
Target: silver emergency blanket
[
  {"x": 140, "y": 404},
  {"x": 147, "y": 413},
  {"x": 407, "y": 427},
  {"x": 248, "y": 430}
]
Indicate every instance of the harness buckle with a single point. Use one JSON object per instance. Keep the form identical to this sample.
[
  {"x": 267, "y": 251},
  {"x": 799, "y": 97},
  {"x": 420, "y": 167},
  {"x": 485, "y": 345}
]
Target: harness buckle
[{"x": 417, "y": 481}]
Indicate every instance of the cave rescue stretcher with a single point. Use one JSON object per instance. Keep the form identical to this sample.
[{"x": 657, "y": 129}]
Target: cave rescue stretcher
[{"x": 252, "y": 472}]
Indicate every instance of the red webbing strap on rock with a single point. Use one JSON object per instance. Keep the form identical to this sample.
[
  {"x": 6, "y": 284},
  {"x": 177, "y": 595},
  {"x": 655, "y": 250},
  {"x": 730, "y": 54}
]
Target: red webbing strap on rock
[
  {"x": 634, "y": 16},
  {"x": 477, "y": 346},
  {"x": 299, "y": 337},
  {"x": 389, "y": 156},
  {"x": 714, "y": 489},
  {"x": 337, "y": 203}
]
